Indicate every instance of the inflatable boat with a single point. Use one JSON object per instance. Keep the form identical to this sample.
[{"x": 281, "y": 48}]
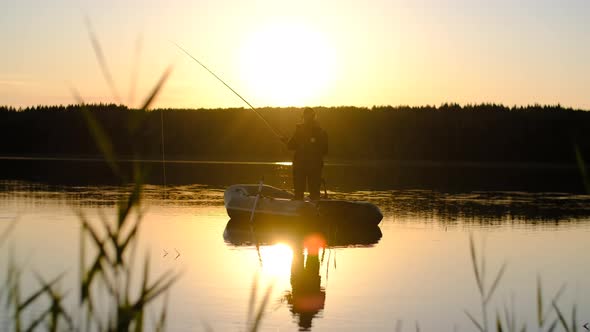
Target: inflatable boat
[{"x": 263, "y": 203}]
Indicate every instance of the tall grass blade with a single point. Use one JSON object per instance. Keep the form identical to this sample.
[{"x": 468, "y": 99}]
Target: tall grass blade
[
  {"x": 474, "y": 321},
  {"x": 161, "y": 326},
  {"x": 82, "y": 274},
  {"x": 582, "y": 167},
  {"x": 252, "y": 301},
  {"x": 99, "y": 243},
  {"x": 121, "y": 247},
  {"x": 35, "y": 295},
  {"x": 7, "y": 231},
  {"x": 146, "y": 270},
  {"x": 138, "y": 318},
  {"x": 260, "y": 314},
  {"x": 129, "y": 269},
  {"x": 160, "y": 286},
  {"x": 38, "y": 320},
  {"x": 540, "y": 319},
  {"x": 100, "y": 137},
  {"x": 561, "y": 318},
  {"x": 15, "y": 297},
  {"x": 206, "y": 326},
  {"x": 125, "y": 206},
  {"x": 482, "y": 261},
  {"x": 105, "y": 224},
  {"x": 109, "y": 283},
  {"x": 101, "y": 59},
  {"x": 150, "y": 99},
  {"x": 475, "y": 266},
  {"x": 574, "y": 320},
  {"x": 553, "y": 325},
  {"x": 12, "y": 277},
  {"x": 509, "y": 319},
  {"x": 498, "y": 323},
  {"x": 555, "y": 299},
  {"x": 135, "y": 70},
  {"x": 57, "y": 309},
  {"x": 88, "y": 279},
  {"x": 495, "y": 283}
]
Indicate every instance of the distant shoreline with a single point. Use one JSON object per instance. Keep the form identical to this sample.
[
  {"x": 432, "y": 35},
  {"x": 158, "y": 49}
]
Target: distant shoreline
[
  {"x": 485, "y": 136},
  {"x": 351, "y": 163}
]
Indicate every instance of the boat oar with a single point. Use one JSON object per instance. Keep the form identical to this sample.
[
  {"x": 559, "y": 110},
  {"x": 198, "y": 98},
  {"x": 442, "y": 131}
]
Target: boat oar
[
  {"x": 258, "y": 194},
  {"x": 256, "y": 201}
]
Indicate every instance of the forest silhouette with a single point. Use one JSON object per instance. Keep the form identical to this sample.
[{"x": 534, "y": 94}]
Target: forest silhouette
[{"x": 485, "y": 133}]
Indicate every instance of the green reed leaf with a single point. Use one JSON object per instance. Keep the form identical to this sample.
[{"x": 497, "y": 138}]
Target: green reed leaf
[
  {"x": 7, "y": 231},
  {"x": 495, "y": 283},
  {"x": 39, "y": 292},
  {"x": 574, "y": 320},
  {"x": 561, "y": 317},
  {"x": 474, "y": 321},
  {"x": 101, "y": 59},
  {"x": 260, "y": 313},
  {"x": 252, "y": 300},
  {"x": 540, "y": 318},
  {"x": 156, "y": 90},
  {"x": 161, "y": 326},
  {"x": 498, "y": 323},
  {"x": 475, "y": 266}
]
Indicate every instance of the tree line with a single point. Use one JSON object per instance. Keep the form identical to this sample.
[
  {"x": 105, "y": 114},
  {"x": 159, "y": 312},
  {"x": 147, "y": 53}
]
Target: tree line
[{"x": 446, "y": 133}]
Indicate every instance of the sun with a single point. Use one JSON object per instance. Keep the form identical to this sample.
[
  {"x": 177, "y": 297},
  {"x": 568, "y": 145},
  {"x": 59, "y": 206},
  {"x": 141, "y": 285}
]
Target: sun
[{"x": 286, "y": 64}]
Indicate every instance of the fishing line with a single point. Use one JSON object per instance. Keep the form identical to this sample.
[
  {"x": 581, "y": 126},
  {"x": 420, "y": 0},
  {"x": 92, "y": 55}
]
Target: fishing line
[
  {"x": 268, "y": 125},
  {"x": 163, "y": 150}
]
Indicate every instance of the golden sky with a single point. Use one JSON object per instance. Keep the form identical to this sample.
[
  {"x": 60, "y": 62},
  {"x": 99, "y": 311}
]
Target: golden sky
[{"x": 295, "y": 53}]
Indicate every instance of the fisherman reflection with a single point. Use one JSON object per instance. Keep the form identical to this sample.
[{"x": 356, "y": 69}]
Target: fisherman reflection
[{"x": 307, "y": 297}]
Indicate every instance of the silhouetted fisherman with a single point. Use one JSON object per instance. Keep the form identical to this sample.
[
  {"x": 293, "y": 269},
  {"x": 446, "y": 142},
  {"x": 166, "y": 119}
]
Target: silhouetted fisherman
[{"x": 310, "y": 143}]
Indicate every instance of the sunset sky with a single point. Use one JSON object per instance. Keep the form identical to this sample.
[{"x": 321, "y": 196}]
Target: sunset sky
[{"x": 281, "y": 53}]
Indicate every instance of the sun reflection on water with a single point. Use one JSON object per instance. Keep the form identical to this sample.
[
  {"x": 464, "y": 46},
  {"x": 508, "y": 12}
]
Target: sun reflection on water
[{"x": 276, "y": 259}]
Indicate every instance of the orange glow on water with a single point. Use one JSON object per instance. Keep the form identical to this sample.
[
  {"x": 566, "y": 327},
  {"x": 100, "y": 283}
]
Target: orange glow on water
[{"x": 313, "y": 243}]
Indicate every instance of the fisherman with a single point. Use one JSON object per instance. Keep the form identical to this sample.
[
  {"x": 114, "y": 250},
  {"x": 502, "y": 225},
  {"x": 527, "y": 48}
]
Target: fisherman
[{"x": 310, "y": 143}]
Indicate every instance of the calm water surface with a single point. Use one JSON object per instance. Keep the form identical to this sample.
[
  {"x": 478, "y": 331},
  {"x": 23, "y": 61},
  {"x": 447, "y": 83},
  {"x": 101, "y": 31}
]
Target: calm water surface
[{"x": 416, "y": 269}]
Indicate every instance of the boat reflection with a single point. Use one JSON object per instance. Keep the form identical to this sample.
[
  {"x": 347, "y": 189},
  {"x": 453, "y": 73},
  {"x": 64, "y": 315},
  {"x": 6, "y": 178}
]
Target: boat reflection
[
  {"x": 239, "y": 233},
  {"x": 309, "y": 243}
]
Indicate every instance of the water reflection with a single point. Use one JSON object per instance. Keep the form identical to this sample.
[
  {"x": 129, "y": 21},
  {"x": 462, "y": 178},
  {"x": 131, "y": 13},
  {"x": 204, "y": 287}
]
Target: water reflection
[
  {"x": 476, "y": 208},
  {"x": 307, "y": 297},
  {"x": 459, "y": 177},
  {"x": 420, "y": 270}
]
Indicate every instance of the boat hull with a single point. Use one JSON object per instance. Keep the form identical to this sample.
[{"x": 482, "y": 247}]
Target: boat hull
[{"x": 275, "y": 205}]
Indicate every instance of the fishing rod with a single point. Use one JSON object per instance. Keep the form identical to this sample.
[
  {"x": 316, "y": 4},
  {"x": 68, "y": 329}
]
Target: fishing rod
[{"x": 274, "y": 130}]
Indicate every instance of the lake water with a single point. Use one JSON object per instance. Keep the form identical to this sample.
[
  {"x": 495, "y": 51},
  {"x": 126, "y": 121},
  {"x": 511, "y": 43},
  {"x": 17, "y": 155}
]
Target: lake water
[{"x": 416, "y": 269}]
